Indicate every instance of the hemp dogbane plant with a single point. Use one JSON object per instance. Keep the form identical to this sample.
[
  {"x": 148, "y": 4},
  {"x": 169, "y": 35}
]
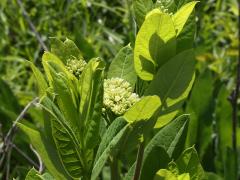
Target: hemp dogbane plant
[{"x": 95, "y": 119}]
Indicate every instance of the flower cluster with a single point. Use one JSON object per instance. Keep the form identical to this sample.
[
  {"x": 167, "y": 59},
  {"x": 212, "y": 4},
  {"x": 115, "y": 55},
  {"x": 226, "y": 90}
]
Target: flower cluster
[
  {"x": 118, "y": 96},
  {"x": 75, "y": 66}
]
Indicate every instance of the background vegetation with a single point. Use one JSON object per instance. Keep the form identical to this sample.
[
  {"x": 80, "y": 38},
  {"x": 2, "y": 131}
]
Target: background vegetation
[{"x": 101, "y": 28}]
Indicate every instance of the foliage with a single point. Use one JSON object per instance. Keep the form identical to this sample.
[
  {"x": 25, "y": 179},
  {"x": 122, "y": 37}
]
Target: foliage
[{"x": 154, "y": 109}]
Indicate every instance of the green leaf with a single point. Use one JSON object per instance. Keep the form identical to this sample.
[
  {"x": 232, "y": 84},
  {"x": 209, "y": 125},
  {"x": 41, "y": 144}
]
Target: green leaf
[
  {"x": 173, "y": 78},
  {"x": 68, "y": 148},
  {"x": 188, "y": 162},
  {"x": 155, "y": 44},
  {"x": 65, "y": 50},
  {"x": 212, "y": 176},
  {"x": 143, "y": 109},
  {"x": 66, "y": 138},
  {"x": 33, "y": 174},
  {"x": 122, "y": 66},
  {"x": 181, "y": 16},
  {"x": 47, "y": 152},
  {"x": 91, "y": 92},
  {"x": 109, "y": 145},
  {"x": 64, "y": 90},
  {"x": 200, "y": 106},
  {"x": 141, "y": 8},
  {"x": 173, "y": 106},
  {"x": 49, "y": 59},
  {"x": 158, "y": 158},
  {"x": 231, "y": 164},
  {"x": 168, "y": 175},
  {"x": 41, "y": 82},
  {"x": 171, "y": 138},
  {"x": 165, "y": 174}
]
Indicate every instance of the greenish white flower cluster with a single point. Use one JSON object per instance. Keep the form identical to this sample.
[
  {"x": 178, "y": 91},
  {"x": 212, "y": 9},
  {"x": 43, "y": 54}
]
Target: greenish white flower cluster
[
  {"x": 118, "y": 96},
  {"x": 75, "y": 66}
]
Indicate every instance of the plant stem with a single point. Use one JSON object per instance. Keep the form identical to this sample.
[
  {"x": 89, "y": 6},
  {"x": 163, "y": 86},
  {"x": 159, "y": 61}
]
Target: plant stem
[
  {"x": 233, "y": 99},
  {"x": 114, "y": 169},
  {"x": 139, "y": 161}
]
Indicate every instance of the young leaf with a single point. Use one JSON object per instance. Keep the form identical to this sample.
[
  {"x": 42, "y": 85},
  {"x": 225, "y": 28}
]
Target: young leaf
[
  {"x": 155, "y": 44},
  {"x": 65, "y": 50},
  {"x": 122, "y": 66},
  {"x": 33, "y": 174},
  {"x": 91, "y": 92},
  {"x": 173, "y": 78},
  {"x": 47, "y": 152},
  {"x": 182, "y": 15},
  {"x": 143, "y": 109}
]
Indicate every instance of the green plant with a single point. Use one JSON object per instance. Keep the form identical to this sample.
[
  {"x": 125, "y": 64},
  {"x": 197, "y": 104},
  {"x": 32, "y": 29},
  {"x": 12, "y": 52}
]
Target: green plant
[{"x": 73, "y": 102}]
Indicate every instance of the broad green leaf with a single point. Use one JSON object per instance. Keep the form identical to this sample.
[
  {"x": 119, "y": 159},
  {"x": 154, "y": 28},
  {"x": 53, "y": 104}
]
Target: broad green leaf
[
  {"x": 41, "y": 82},
  {"x": 65, "y": 50},
  {"x": 157, "y": 159},
  {"x": 182, "y": 15},
  {"x": 91, "y": 92},
  {"x": 122, "y": 66},
  {"x": 173, "y": 106},
  {"x": 155, "y": 44},
  {"x": 188, "y": 162},
  {"x": 33, "y": 174},
  {"x": 141, "y": 8},
  {"x": 171, "y": 138},
  {"x": 173, "y": 78},
  {"x": 47, "y": 152},
  {"x": 143, "y": 109},
  {"x": 109, "y": 145}
]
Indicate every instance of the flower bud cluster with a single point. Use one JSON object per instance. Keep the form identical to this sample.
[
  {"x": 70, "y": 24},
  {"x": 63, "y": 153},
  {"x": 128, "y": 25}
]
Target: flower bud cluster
[
  {"x": 163, "y": 9},
  {"x": 118, "y": 96},
  {"x": 75, "y": 66}
]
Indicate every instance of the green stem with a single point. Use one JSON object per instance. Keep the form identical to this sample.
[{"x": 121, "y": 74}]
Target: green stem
[
  {"x": 139, "y": 161},
  {"x": 114, "y": 169}
]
